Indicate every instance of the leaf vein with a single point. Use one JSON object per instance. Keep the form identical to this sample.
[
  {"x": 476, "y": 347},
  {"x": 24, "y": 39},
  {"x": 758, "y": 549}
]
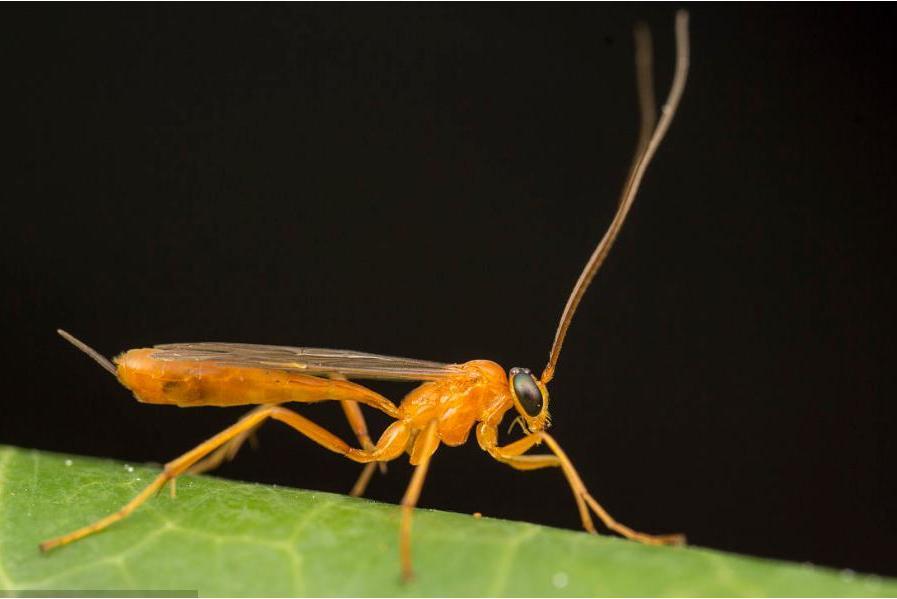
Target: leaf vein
[{"x": 503, "y": 570}]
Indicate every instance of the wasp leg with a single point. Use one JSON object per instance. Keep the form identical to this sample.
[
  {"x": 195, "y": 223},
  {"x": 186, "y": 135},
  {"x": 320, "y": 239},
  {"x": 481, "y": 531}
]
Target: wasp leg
[
  {"x": 532, "y": 462},
  {"x": 360, "y": 428},
  {"x": 363, "y": 479},
  {"x": 511, "y": 454},
  {"x": 228, "y": 451},
  {"x": 580, "y": 489},
  {"x": 424, "y": 447},
  {"x": 390, "y": 445},
  {"x": 171, "y": 470}
]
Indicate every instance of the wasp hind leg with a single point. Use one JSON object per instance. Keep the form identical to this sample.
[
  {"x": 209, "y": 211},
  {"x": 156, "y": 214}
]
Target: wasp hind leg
[
  {"x": 391, "y": 444},
  {"x": 228, "y": 451}
]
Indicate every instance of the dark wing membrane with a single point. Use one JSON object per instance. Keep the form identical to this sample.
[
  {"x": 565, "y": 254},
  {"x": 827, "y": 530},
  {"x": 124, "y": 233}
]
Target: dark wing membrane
[{"x": 308, "y": 360}]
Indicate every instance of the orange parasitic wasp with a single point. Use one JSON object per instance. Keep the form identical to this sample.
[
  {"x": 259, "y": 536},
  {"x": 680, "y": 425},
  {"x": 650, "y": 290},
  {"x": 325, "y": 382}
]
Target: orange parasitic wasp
[{"x": 452, "y": 400}]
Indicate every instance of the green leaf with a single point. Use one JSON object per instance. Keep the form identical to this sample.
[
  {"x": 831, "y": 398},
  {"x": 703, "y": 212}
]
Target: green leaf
[{"x": 220, "y": 537}]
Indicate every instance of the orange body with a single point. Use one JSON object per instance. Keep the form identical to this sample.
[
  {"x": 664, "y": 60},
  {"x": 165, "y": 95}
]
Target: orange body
[
  {"x": 456, "y": 403},
  {"x": 443, "y": 410},
  {"x": 479, "y": 394}
]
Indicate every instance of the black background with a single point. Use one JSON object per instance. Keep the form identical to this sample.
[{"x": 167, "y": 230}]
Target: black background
[{"x": 428, "y": 181}]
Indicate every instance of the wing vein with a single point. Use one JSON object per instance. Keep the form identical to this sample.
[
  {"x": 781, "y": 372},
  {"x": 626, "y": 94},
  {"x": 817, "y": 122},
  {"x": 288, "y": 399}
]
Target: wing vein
[{"x": 307, "y": 360}]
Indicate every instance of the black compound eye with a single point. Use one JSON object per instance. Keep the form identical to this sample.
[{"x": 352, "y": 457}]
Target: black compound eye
[{"x": 528, "y": 393}]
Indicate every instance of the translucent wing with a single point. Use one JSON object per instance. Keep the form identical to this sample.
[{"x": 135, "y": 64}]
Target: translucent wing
[{"x": 308, "y": 360}]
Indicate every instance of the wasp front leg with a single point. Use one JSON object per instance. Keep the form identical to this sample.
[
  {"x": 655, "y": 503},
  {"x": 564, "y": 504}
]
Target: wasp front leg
[{"x": 512, "y": 454}]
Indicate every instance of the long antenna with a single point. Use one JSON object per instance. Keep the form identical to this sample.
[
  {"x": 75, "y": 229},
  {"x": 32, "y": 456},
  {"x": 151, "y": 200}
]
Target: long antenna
[
  {"x": 644, "y": 84},
  {"x": 644, "y": 154},
  {"x": 102, "y": 361}
]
